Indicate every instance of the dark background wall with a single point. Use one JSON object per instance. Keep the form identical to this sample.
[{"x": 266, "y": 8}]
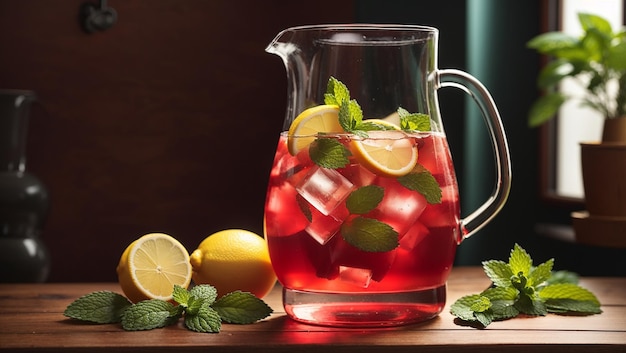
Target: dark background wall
[{"x": 168, "y": 121}]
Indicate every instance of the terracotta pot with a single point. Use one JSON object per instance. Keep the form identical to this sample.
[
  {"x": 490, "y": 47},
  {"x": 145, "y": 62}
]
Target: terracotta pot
[
  {"x": 614, "y": 130},
  {"x": 604, "y": 178}
]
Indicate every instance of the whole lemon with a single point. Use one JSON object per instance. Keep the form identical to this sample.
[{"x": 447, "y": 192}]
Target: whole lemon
[{"x": 233, "y": 259}]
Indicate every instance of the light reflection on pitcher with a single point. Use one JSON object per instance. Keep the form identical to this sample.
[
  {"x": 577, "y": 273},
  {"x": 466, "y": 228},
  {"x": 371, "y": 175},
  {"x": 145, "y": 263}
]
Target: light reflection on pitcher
[{"x": 362, "y": 212}]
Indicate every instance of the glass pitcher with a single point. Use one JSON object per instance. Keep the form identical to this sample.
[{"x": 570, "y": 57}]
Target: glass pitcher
[{"x": 362, "y": 214}]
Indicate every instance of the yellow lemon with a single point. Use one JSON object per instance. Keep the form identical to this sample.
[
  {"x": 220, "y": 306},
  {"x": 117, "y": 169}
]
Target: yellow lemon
[
  {"x": 151, "y": 266},
  {"x": 389, "y": 153},
  {"x": 305, "y": 127},
  {"x": 234, "y": 259}
]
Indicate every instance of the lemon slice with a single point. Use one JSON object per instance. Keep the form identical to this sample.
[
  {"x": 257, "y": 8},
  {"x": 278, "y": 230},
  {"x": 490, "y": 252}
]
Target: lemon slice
[
  {"x": 151, "y": 266},
  {"x": 387, "y": 153},
  {"x": 305, "y": 127}
]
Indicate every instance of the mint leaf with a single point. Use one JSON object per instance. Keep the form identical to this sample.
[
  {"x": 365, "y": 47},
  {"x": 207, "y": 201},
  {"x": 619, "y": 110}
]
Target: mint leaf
[
  {"x": 520, "y": 261},
  {"x": 567, "y": 291},
  {"x": 241, "y": 308},
  {"x": 541, "y": 273},
  {"x": 369, "y": 235},
  {"x": 413, "y": 121},
  {"x": 522, "y": 288},
  {"x": 462, "y": 307},
  {"x": 422, "y": 181},
  {"x": 562, "y": 277},
  {"x": 499, "y": 272},
  {"x": 150, "y": 314},
  {"x": 336, "y": 92},
  {"x": 329, "y": 153},
  {"x": 206, "y": 320},
  {"x": 103, "y": 307},
  {"x": 180, "y": 295},
  {"x": 205, "y": 292},
  {"x": 364, "y": 199},
  {"x": 530, "y": 306}
]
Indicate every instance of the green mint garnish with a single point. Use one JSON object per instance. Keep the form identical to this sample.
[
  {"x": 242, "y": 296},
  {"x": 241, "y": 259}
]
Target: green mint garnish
[
  {"x": 150, "y": 314},
  {"x": 241, "y": 308},
  {"x": 201, "y": 309},
  {"x": 422, "y": 181},
  {"x": 369, "y": 235},
  {"x": 364, "y": 199},
  {"x": 413, "y": 121},
  {"x": 329, "y": 153},
  {"x": 521, "y": 288},
  {"x": 103, "y": 307},
  {"x": 205, "y": 320}
]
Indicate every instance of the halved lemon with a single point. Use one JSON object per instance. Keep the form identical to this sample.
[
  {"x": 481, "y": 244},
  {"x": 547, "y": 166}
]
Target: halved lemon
[
  {"x": 151, "y": 266},
  {"x": 305, "y": 127},
  {"x": 389, "y": 153}
]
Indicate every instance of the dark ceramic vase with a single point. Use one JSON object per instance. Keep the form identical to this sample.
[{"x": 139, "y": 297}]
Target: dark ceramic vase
[{"x": 23, "y": 198}]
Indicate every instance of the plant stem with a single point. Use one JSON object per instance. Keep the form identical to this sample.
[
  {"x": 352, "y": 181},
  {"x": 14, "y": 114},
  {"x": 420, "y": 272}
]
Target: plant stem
[{"x": 620, "y": 100}]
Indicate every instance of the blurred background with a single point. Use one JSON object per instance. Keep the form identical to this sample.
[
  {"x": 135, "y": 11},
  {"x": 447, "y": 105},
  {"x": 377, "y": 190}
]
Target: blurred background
[{"x": 168, "y": 120}]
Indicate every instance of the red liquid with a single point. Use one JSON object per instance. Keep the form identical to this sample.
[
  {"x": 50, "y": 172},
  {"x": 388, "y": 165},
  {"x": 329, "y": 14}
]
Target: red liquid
[{"x": 312, "y": 257}]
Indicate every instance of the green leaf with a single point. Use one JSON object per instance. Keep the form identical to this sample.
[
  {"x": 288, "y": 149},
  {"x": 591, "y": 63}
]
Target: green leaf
[
  {"x": 422, "y": 181},
  {"x": 520, "y": 260},
  {"x": 205, "y": 292},
  {"x": 552, "y": 43},
  {"x": 241, "y": 308},
  {"x": 150, "y": 314},
  {"x": 206, "y": 320},
  {"x": 102, "y": 307},
  {"x": 590, "y": 21},
  {"x": 180, "y": 295},
  {"x": 530, "y": 306},
  {"x": 345, "y": 118},
  {"x": 503, "y": 309},
  {"x": 567, "y": 291},
  {"x": 545, "y": 108},
  {"x": 481, "y": 304},
  {"x": 563, "y": 277},
  {"x": 541, "y": 273},
  {"x": 336, "y": 92},
  {"x": 499, "y": 272},
  {"x": 364, "y": 199},
  {"x": 571, "y": 306},
  {"x": 329, "y": 153},
  {"x": 462, "y": 307},
  {"x": 413, "y": 121},
  {"x": 616, "y": 57},
  {"x": 553, "y": 72},
  {"x": 369, "y": 235}
]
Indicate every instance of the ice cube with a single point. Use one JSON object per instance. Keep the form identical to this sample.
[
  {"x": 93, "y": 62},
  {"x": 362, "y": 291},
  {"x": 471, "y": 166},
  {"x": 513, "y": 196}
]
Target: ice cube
[
  {"x": 323, "y": 227},
  {"x": 358, "y": 276},
  {"x": 400, "y": 207},
  {"x": 324, "y": 189},
  {"x": 358, "y": 175},
  {"x": 346, "y": 255},
  {"x": 409, "y": 240}
]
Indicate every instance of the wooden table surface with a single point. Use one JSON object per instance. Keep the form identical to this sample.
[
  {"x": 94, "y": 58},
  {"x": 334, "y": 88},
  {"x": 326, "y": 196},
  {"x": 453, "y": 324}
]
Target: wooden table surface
[{"x": 31, "y": 320}]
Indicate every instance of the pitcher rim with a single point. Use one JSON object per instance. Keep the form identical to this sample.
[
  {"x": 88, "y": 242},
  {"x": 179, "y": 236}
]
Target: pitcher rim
[{"x": 387, "y": 26}]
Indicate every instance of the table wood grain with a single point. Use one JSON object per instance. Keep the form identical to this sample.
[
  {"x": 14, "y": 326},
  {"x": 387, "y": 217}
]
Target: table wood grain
[{"x": 31, "y": 320}]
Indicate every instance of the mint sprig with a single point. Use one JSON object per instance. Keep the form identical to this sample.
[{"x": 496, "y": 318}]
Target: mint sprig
[
  {"x": 521, "y": 288},
  {"x": 201, "y": 309}
]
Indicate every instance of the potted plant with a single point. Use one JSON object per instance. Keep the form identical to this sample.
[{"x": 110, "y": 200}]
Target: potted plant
[{"x": 597, "y": 61}]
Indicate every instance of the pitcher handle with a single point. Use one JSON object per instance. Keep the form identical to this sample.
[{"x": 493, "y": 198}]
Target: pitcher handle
[{"x": 470, "y": 85}]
